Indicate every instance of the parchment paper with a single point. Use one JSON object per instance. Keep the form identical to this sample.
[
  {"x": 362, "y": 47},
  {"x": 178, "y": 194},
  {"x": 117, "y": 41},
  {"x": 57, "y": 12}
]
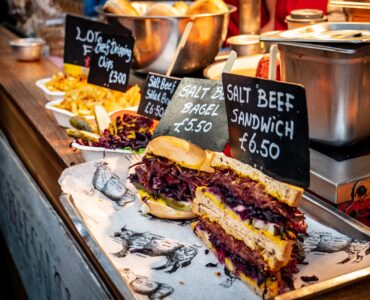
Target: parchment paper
[{"x": 160, "y": 259}]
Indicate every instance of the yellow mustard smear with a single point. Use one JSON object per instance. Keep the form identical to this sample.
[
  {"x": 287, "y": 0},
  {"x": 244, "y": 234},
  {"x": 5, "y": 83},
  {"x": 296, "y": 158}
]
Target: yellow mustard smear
[
  {"x": 266, "y": 233},
  {"x": 143, "y": 194}
]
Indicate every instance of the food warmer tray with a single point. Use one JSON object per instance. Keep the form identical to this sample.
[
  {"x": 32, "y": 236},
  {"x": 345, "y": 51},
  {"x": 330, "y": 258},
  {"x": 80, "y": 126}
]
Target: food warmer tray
[
  {"x": 342, "y": 32},
  {"x": 312, "y": 206}
]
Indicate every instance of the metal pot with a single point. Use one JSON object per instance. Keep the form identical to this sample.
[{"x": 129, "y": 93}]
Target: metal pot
[
  {"x": 157, "y": 39},
  {"x": 27, "y": 49},
  {"x": 337, "y": 83}
]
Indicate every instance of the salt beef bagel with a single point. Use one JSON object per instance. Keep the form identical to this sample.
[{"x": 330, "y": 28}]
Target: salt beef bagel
[
  {"x": 120, "y": 7},
  {"x": 181, "y": 157}
]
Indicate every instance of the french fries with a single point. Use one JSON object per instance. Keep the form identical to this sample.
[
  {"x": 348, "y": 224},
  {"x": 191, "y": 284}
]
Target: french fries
[
  {"x": 62, "y": 82},
  {"x": 82, "y": 100}
]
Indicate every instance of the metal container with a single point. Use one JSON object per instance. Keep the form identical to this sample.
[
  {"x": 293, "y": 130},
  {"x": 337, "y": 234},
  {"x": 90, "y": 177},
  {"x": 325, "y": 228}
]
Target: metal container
[
  {"x": 245, "y": 44},
  {"x": 249, "y": 16},
  {"x": 337, "y": 83},
  {"x": 336, "y": 32},
  {"x": 303, "y": 17},
  {"x": 157, "y": 39},
  {"x": 27, "y": 49}
]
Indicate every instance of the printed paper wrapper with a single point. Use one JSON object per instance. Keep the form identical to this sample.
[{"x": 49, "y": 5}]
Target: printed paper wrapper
[{"x": 165, "y": 259}]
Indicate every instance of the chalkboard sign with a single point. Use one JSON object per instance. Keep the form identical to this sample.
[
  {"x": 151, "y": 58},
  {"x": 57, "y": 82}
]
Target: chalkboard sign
[
  {"x": 81, "y": 34},
  {"x": 157, "y": 93},
  {"x": 197, "y": 113},
  {"x": 268, "y": 126},
  {"x": 111, "y": 60}
]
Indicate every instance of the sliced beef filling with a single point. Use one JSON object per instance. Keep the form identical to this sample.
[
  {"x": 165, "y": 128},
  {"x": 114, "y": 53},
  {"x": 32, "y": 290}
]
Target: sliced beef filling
[
  {"x": 235, "y": 246},
  {"x": 159, "y": 176},
  {"x": 243, "y": 258},
  {"x": 247, "y": 198}
]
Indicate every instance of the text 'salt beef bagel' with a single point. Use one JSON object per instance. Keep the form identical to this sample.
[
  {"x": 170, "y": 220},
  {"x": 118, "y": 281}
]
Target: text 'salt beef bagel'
[
  {"x": 168, "y": 176},
  {"x": 252, "y": 223}
]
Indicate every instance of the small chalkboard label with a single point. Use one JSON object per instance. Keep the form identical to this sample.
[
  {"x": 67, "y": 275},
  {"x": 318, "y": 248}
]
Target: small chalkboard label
[
  {"x": 197, "y": 113},
  {"x": 81, "y": 34},
  {"x": 157, "y": 93},
  {"x": 268, "y": 126},
  {"x": 110, "y": 61}
]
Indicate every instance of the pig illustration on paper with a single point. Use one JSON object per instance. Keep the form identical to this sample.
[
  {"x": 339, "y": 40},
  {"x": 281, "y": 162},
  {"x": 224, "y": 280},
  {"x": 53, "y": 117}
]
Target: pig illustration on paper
[{"x": 177, "y": 255}]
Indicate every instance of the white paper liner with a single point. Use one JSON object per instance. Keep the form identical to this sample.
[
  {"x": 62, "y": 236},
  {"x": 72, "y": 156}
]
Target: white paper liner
[{"x": 147, "y": 243}]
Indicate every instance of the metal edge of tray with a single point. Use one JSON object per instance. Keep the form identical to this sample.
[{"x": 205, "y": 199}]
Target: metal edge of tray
[
  {"x": 325, "y": 286},
  {"x": 113, "y": 273},
  {"x": 350, "y": 4},
  {"x": 278, "y": 38},
  {"x": 333, "y": 218},
  {"x": 311, "y": 205}
]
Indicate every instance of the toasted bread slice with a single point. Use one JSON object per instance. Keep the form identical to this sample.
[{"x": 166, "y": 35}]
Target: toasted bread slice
[
  {"x": 274, "y": 250},
  {"x": 284, "y": 192}
]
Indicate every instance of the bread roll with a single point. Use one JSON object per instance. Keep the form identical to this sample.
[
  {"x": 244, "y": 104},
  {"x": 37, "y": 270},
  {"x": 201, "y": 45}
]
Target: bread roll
[
  {"x": 120, "y": 7},
  {"x": 161, "y": 10},
  {"x": 181, "y": 7},
  {"x": 207, "y": 6}
]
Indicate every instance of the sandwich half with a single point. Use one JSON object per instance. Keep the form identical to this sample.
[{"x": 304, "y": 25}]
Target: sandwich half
[
  {"x": 168, "y": 176},
  {"x": 252, "y": 223}
]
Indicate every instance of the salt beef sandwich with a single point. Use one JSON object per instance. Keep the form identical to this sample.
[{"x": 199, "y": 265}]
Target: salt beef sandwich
[
  {"x": 252, "y": 223},
  {"x": 168, "y": 176}
]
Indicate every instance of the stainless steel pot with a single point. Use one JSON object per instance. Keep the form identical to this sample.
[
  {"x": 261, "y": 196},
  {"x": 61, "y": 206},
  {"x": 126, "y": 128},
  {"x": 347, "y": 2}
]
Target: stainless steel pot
[
  {"x": 27, "y": 49},
  {"x": 337, "y": 83},
  {"x": 157, "y": 39}
]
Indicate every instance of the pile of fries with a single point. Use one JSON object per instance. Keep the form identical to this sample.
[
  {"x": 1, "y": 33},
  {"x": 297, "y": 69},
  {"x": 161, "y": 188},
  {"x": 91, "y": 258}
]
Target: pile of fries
[
  {"x": 82, "y": 100},
  {"x": 63, "y": 83}
]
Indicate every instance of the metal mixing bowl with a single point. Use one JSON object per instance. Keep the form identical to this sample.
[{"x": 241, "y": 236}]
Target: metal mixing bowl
[
  {"x": 27, "y": 49},
  {"x": 157, "y": 38}
]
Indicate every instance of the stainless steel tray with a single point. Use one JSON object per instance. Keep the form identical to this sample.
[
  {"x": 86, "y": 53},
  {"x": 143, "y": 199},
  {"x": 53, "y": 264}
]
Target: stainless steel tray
[
  {"x": 344, "y": 32},
  {"x": 351, "y": 4},
  {"x": 312, "y": 206}
]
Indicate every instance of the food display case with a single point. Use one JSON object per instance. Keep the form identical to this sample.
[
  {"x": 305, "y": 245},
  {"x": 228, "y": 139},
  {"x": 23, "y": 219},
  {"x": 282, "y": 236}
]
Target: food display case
[{"x": 72, "y": 237}]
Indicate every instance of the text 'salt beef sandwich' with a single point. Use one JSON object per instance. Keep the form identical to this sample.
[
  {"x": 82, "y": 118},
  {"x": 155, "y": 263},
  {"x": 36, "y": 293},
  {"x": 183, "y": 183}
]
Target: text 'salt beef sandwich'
[{"x": 252, "y": 223}]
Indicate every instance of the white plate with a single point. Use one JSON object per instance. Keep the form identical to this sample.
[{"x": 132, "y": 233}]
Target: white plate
[
  {"x": 95, "y": 153},
  {"x": 244, "y": 62},
  {"x": 49, "y": 95},
  {"x": 62, "y": 115}
]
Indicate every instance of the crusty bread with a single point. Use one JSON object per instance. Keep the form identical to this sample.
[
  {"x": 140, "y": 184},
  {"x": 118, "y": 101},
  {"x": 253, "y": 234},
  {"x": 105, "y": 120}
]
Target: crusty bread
[
  {"x": 163, "y": 211},
  {"x": 274, "y": 250},
  {"x": 284, "y": 192},
  {"x": 120, "y": 7},
  {"x": 181, "y": 152},
  {"x": 161, "y": 10},
  {"x": 272, "y": 287},
  {"x": 181, "y": 7},
  {"x": 207, "y": 6}
]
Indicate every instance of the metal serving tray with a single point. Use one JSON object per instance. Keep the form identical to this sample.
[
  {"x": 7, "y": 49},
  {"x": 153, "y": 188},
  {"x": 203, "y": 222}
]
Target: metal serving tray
[
  {"x": 312, "y": 206},
  {"x": 342, "y": 32}
]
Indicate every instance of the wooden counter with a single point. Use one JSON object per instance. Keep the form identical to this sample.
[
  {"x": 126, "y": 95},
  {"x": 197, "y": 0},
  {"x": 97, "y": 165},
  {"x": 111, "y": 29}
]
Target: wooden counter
[{"x": 43, "y": 147}]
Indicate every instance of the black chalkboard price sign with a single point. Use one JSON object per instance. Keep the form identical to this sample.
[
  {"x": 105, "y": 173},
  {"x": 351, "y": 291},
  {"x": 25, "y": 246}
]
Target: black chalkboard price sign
[
  {"x": 111, "y": 60},
  {"x": 197, "y": 113},
  {"x": 157, "y": 93},
  {"x": 268, "y": 126},
  {"x": 81, "y": 34}
]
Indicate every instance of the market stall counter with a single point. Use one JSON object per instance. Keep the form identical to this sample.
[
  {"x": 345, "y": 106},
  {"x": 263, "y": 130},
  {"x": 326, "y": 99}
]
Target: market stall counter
[{"x": 54, "y": 253}]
